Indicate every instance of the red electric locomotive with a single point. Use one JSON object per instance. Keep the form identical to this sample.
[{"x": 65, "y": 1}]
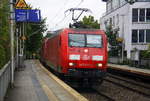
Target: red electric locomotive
[{"x": 78, "y": 53}]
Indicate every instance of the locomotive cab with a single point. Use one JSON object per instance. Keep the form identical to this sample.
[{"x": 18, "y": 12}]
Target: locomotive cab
[
  {"x": 87, "y": 54},
  {"x": 77, "y": 53}
]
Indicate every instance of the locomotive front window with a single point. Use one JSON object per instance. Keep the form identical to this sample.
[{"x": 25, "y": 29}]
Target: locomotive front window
[
  {"x": 94, "y": 41},
  {"x": 77, "y": 40},
  {"x": 85, "y": 40}
]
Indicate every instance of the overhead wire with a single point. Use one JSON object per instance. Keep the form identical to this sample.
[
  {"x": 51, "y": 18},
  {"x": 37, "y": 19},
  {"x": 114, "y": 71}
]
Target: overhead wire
[
  {"x": 79, "y": 3},
  {"x": 65, "y": 16},
  {"x": 60, "y": 10},
  {"x": 69, "y": 12}
]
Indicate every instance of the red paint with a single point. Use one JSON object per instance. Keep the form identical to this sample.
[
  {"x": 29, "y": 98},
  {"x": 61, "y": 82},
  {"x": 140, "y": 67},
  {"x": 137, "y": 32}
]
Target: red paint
[{"x": 56, "y": 50}]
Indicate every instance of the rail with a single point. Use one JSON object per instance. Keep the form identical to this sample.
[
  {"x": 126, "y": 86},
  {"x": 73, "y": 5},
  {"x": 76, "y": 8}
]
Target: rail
[{"x": 4, "y": 80}]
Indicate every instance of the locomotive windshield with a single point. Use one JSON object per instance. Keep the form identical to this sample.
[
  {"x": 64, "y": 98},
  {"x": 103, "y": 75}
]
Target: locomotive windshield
[{"x": 85, "y": 40}]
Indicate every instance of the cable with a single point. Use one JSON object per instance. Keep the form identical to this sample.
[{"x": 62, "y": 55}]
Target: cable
[
  {"x": 79, "y": 3},
  {"x": 60, "y": 10},
  {"x": 65, "y": 14},
  {"x": 61, "y": 20}
]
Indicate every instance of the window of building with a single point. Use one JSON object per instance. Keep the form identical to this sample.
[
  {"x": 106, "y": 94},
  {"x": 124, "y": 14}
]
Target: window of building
[
  {"x": 134, "y": 36},
  {"x": 109, "y": 6},
  {"x": 148, "y": 35},
  {"x": 142, "y": 15},
  {"x": 134, "y": 15},
  {"x": 110, "y": 21},
  {"x": 148, "y": 15},
  {"x": 115, "y": 4},
  {"x": 122, "y": 2},
  {"x": 117, "y": 22},
  {"x": 144, "y": 0},
  {"x": 141, "y": 36},
  {"x": 114, "y": 21}
]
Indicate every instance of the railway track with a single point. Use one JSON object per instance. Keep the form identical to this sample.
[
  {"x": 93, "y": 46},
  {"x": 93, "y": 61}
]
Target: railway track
[
  {"x": 130, "y": 85},
  {"x": 130, "y": 81},
  {"x": 92, "y": 94},
  {"x": 108, "y": 98},
  {"x": 117, "y": 88}
]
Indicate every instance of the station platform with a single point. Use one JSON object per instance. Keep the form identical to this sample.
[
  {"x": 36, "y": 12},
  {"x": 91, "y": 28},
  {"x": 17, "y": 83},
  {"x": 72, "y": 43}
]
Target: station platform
[
  {"x": 35, "y": 83},
  {"x": 126, "y": 68}
]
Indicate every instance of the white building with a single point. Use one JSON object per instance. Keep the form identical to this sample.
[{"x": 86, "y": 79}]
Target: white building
[{"x": 132, "y": 23}]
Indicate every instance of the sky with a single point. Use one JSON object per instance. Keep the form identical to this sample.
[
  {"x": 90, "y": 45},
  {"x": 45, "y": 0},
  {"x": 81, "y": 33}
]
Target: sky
[{"x": 53, "y": 10}]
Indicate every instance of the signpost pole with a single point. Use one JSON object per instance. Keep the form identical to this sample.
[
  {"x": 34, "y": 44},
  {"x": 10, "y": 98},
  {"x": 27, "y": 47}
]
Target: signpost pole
[
  {"x": 12, "y": 40},
  {"x": 17, "y": 46}
]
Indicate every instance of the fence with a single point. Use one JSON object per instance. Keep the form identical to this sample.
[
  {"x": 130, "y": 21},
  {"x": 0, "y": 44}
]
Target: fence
[
  {"x": 115, "y": 60},
  {"x": 141, "y": 63},
  {"x": 145, "y": 62},
  {"x": 5, "y": 74}
]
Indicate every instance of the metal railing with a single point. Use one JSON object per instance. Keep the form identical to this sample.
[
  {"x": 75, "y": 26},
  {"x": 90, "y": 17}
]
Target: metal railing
[{"x": 5, "y": 74}]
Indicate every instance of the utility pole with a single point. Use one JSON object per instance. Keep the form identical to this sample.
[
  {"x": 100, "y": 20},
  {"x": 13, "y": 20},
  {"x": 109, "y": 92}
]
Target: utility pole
[{"x": 12, "y": 40}]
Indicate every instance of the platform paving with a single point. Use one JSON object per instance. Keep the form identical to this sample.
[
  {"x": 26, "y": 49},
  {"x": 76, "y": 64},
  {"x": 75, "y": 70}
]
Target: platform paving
[
  {"x": 145, "y": 72},
  {"x": 33, "y": 84}
]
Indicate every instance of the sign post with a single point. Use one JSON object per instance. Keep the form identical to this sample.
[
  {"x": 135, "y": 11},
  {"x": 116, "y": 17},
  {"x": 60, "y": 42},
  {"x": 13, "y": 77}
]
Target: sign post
[
  {"x": 24, "y": 14},
  {"x": 12, "y": 41}
]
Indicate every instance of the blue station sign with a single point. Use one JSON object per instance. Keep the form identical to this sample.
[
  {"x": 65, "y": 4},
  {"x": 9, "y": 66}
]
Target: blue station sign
[
  {"x": 21, "y": 15},
  {"x": 27, "y": 15}
]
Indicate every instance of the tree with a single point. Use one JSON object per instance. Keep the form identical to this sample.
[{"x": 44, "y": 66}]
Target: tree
[
  {"x": 87, "y": 22},
  {"x": 115, "y": 45},
  {"x": 146, "y": 53},
  {"x": 4, "y": 33},
  {"x": 34, "y": 37},
  {"x": 90, "y": 22}
]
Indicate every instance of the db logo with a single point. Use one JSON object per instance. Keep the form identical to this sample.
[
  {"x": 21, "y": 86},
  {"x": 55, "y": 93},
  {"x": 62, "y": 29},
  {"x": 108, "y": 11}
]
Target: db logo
[{"x": 86, "y": 57}]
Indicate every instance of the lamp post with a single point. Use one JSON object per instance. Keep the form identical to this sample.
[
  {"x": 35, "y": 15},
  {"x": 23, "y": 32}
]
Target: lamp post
[
  {"x": 12, "y": 40},
  {"x": 122, "y": 58}
]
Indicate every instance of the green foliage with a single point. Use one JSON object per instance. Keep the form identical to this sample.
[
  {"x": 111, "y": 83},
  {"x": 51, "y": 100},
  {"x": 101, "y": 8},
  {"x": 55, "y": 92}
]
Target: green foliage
[
  {"x": 89, "y": 22},
  {"x": 115, "y": 46},
  {"x": 4, "y": 33},
  {"x": 146, "y": 53},
  {"x": 2, "y": 56},
  {"x": 34, "y": 37}
]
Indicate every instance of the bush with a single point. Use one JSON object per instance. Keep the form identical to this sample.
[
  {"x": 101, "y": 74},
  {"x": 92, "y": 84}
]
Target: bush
[
  {"x": 146, "y": 53},
  {"x": 2, "y": 56}
]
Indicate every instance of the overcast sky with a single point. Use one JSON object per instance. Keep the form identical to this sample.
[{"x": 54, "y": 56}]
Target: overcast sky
[{"x": 54, "y": 10}]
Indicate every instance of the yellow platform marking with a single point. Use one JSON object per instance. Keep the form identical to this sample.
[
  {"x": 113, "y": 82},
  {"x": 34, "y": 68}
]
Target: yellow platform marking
[
  {"x": 51, "y": 96},
  {"x": 65, "y": 86}
]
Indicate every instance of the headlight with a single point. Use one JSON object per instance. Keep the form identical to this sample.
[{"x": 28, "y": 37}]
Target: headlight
[
  {"x": 74, "y": 57},
  {"x": 71, "y": 64},
  {"x": 99, "y": 65},
  {"x": 97, "y": 58}
]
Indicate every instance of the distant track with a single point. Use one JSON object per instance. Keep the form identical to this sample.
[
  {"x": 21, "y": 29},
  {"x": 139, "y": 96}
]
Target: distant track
[
  {"x": 129, "y": 88},
  {"x": 125, "y": 80}
]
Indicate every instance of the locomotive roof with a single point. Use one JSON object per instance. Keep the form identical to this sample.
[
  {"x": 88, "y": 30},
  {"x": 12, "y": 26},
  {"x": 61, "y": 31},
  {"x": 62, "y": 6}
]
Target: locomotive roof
[
  {"x": 55, "y": 33},
  {"x": 78, "y": 29}
]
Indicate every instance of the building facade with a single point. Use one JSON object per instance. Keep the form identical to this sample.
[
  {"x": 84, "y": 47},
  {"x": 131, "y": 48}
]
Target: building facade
[{"x": 132, "y": 23}]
